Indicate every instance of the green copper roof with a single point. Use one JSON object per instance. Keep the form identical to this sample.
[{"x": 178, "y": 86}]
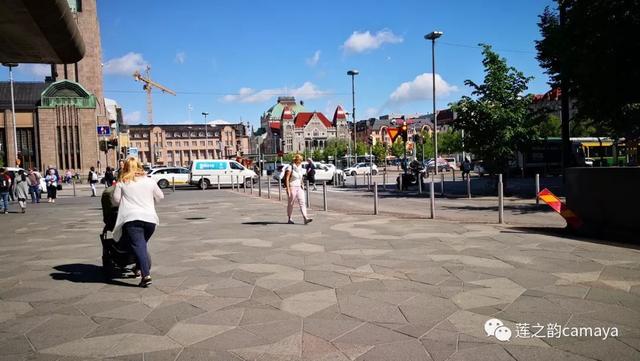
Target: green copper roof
[
  {"x": 66, "y": 92},
  {"x": 275, "y": 112}
]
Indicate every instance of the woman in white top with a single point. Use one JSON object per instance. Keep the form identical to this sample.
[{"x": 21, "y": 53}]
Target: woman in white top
[
  {"x": 136, "y": 194},
  {"x": 293, "y": 183}
]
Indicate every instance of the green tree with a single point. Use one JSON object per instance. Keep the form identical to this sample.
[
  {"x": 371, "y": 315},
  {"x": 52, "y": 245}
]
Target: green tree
[
  {"x": 596, "y": 55},
  {"x": 449, "y": 142},
  {"x": 548, "y": 126},
  {"x": 397, "y": 148},
  {"x": 361, "y": 148},
  {"x": 497, "y": 121},
  {"x": 336, "y": 146},
  {"x": 424, "y": 148},
  {"x": 318, "y": 155},
  {"x": 380, "y": 152}
]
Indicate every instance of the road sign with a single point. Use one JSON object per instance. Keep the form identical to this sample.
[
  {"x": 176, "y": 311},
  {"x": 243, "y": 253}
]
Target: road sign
[
  {"x": 103, "y": 130},
  {"x": 132, "y": 152},
  {"x": 556, "y": 204},
  {"x": 393, "y": 133}
]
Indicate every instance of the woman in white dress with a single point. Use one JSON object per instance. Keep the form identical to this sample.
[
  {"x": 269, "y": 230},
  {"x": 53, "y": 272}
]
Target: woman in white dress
[{"x": 293, "y": 184}]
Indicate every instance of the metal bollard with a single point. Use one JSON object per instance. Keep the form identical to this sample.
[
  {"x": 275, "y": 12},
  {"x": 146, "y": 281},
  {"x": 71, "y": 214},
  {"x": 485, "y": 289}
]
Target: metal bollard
[
  {"x": 231, "y": 183},
  {"x": 375, "y": 198},
  {"x": 268, "y": 188},
  {"x": 369, "y": 181},
  {"x": 355, "y": 181},
  {"x": 244, "y": 184},
  {"x": 364, "y": 179},
  {"x": 453, "y": 171},
  {"x": 173, "y": 183},
  {"x": 73, "y": 181},
  {"x": 218, "y": 182},
  {"x": 400, "y": 182},
  {"x": 384, "y": 180},
  {"x": 203, "y": 184},
  {"x": 468, "y": 186},
  {"x": 259, "y": 186},
  {"x": 432, "y": 199},
  {"x": 500, "y": 200},
  {"x": 324, "y": 196},
  {"x": 537, "y": 189},
  {"x": 442, "y": 184},
  {"x": 280, "y": 191},
  {"x": 238, "y": 183},
  {"x": 420, "y": 184},
  {"x": 306, "y": 194},
  {"x": 252, "y": 186}
]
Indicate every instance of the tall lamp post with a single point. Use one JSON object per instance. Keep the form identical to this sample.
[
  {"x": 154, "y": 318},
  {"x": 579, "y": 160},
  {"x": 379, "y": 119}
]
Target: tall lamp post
[
  {"x": 206, "y": 137},
  {"x": 13, "y": 109},
  {"x": 433, "y": 36},
  {"x": 353, "y": 73}
]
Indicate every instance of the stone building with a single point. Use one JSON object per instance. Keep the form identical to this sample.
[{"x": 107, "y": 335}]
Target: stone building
[
  {"x": 290, "y": 128},
  {"x": 56, "y": 120},
  {"x": 179, "y": 144}
]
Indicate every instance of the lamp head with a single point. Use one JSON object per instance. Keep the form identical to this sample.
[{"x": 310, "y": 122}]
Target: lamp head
[
  {"x": 353, "y": 72},
  {"x": 433, "y": 35}
]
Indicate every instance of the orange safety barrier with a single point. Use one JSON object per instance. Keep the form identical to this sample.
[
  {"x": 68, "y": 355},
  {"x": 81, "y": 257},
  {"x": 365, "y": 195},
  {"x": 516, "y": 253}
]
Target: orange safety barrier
[{"x": 556, "y": 204}]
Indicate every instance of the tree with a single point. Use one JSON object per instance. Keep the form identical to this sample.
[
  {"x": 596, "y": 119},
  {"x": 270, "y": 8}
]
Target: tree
[
  {"x": 498, "y": 121},
  {"x": 549, "y": 126},
  {"x": 397, "y": 148},
  {"x": 379, "y": 151},
  {"x": 425, "y": 146},
  {"x": 318, "y": 155},
  {"x": 592, "y": 52},
  {"x": 449, "y": 142},
  {"x": 336, "y": 147},
  {"x": 361, "y": 148}
]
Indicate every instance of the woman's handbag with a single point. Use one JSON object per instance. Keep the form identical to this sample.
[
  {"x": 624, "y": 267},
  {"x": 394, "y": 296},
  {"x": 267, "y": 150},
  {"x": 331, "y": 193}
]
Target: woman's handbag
[{"x": 59, "y": 187}]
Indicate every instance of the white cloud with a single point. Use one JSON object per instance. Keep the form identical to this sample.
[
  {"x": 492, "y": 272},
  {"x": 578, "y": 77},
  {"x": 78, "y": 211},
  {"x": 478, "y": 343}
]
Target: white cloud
[
  {"x": 133, "y": 117},
  {"x": 306, "y": 91},
  {"x": 371, "y": 113},
  {"x": 360, "y": 42},
  {"x": 125, "y": 65},
  {"x": 181, "y": 57},
  {"x": 421, "y": 88},
  {"x": 313, "y": 61},
  {"x": 39, "y": 70},
  {"x": 219, "y": 122}
]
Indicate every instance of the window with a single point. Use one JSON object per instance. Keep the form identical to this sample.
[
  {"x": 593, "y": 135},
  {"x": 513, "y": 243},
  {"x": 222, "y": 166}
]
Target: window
[
  {"x": 185, "y": 134},
  {"x": 201, "y": 134},
  {"x": 210, "y": 142},
  {"x": 209, "y": 134},
  {"x": 195, "y": 143},
  {"x": 137, "y": 135},
  {"x": 186, "y": 144},
  {"x": 145, "y": 135},
  {"x": 169, "y": 144},
  {"x": 193, "y": 134},
  {"x": 235, "y": 165},
  {"x": 202, "y": 143},
  {"x": 176, "y": 135}
]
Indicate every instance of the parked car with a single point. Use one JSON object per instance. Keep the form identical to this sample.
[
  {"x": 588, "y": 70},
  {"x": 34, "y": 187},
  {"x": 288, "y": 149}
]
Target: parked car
[
  {"x": 205, "y": 172},
  {"x": 443, "y": 165},
  {"x": 167, "y": 175},
  {"x": 43, "y": 183},
  {"x": 324, "y": 172},
  {"x": 452, "y": 163},
  {"x": 478, "y": 167},
  {"x": 588, "y": 162},
  {"x": 362, "y": 168}
]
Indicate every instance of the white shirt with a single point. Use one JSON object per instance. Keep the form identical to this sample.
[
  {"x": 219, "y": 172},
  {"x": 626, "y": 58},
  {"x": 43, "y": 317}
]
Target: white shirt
[
  {"x": 136, "y": 200},
  {"x": 297, "y": 173}
]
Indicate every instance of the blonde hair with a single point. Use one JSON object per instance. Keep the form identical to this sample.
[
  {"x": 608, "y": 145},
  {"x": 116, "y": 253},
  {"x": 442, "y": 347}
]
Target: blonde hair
[
  {"x": 297, "y": 158},
  {"x": 132, "y": 169}
]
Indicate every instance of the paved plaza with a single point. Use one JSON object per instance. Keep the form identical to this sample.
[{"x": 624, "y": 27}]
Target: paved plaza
[{"x": 232, "y": 281}]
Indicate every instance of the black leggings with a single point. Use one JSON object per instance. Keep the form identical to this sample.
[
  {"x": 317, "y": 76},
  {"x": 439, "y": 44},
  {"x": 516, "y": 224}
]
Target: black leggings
[{"x": 52, "y": 191}]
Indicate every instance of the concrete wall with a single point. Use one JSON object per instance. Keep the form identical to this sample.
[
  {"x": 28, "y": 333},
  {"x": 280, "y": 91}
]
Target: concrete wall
[{"x": 607, "y": 200}]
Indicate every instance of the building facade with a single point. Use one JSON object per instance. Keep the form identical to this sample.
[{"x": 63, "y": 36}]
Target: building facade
[
  {"x": 57, "y": 119},
  {"x": 290, "y": 127},
  {"x": 179, "y": 144}
]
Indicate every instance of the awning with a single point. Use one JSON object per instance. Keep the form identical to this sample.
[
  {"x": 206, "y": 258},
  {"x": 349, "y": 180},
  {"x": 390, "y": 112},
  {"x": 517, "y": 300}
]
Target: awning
[
  {"x": 36, "y": 31},
  {"x": 605, "y": 143}
]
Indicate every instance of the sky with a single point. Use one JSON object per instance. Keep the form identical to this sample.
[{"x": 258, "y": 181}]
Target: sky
[{"x": 233, "y": 59}]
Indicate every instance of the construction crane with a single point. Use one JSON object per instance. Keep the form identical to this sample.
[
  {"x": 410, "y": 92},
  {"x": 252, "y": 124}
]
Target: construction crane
[{"x": 148, "y": 86}]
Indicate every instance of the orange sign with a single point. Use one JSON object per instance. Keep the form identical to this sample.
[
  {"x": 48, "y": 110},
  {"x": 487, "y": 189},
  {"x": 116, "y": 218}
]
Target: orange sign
[
  {"x": 554, "y": 202},
  {"x": 393, "y": 133}
]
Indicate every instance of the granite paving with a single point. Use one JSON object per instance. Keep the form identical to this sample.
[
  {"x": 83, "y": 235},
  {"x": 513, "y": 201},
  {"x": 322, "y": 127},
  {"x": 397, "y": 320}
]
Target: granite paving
[{"x": 233, "y": 281}]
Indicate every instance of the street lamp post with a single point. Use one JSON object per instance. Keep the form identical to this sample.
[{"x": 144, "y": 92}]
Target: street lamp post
[
  {"x": 13, "y": 109},
  {"x": 353, "y": 73},
  {"x": 433, "y": 36},
  {"x": 206, "y": 137}
]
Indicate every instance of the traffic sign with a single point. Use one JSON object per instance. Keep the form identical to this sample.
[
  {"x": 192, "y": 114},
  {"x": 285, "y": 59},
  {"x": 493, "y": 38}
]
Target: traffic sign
[
  {"x": 393, "y": 133},
  {"x": 132, "y": 152},
  {"x": 103, "y": 130}
]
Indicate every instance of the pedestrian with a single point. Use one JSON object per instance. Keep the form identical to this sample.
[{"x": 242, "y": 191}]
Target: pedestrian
[
  {"x": 311, "y": 173},
  {"x": 92, "y": 179},
  {"x": 293, "y": 184},
  {"x": 22, "y": 190},
  {"x": 108, "y": 177},
  {"x": 34, "y": 185},
  {"x": 52, "y": 185},
  {"x": 5, "y": 188},
  {"x": 12, "y": 186},
  {"x": 466, "y": 168},
  {"x": 135, "y": 194},
  {"x": 67, "y": 176}
]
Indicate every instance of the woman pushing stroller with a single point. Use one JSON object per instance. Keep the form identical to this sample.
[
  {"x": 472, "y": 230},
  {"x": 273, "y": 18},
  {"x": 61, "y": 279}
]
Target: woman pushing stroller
[{"x": 135, "y": 194}]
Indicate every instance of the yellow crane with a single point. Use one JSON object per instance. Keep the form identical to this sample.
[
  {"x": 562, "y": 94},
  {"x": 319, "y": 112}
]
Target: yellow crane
[{"x": 148, "y": 85}]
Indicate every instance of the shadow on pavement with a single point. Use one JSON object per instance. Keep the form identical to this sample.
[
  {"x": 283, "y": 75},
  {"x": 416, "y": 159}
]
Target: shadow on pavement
[
  {"x": 263, "y": 223},
  {"x": 84, "y": 273}
]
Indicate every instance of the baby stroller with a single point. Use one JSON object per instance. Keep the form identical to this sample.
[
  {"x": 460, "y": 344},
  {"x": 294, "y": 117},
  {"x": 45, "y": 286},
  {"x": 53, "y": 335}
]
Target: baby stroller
[{"x": 117, "y": 257}]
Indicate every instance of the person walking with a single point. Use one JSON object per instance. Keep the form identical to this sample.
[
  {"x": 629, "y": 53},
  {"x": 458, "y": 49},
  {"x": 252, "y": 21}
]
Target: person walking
[
  {"x": 5, "y": 188},
  {"x": 34, "y": 185},
  {"x": 293, "y": 184},
  {"x": 92, "y": 179},
  {"x": 466, "y": 168},
  {"x": 311, "y": 174},
  {"x": 108, "y": 177},
  {"x": 52, "y": 185},
  {"x": 22, "y": 190},
  {"x": 135, "y": 194}
]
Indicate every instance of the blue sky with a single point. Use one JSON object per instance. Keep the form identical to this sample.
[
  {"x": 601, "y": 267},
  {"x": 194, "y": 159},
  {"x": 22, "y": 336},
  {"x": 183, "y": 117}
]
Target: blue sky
[{"x": 233, "y": 58}]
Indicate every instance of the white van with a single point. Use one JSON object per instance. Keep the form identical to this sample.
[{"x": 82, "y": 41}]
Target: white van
[{"x": 206, "y": 172}]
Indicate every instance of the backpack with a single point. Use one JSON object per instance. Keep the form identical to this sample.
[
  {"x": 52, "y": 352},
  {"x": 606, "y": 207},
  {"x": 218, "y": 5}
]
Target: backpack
[
  {"x": 284, "y": 170},
  {"x": 4, "y": 183}
]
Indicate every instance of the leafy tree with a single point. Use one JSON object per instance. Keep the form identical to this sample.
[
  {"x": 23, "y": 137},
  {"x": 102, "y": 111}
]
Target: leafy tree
[
  {"x": 548, "y": 126},
  {"x": 361, "y": 148},
  {"x": 449, "y": 142},
  {"x": 318, "y": 155},
  {"x": 397, "y": 148},
  {"x": 425, "y": 146},
  {"x": 336, "y": 146},
  {"x": 288, "y": 158},
  {"x": 497, "y": 121},
  {"x": 596, "y": 54},
  {"x": 379, "y": 151}
]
